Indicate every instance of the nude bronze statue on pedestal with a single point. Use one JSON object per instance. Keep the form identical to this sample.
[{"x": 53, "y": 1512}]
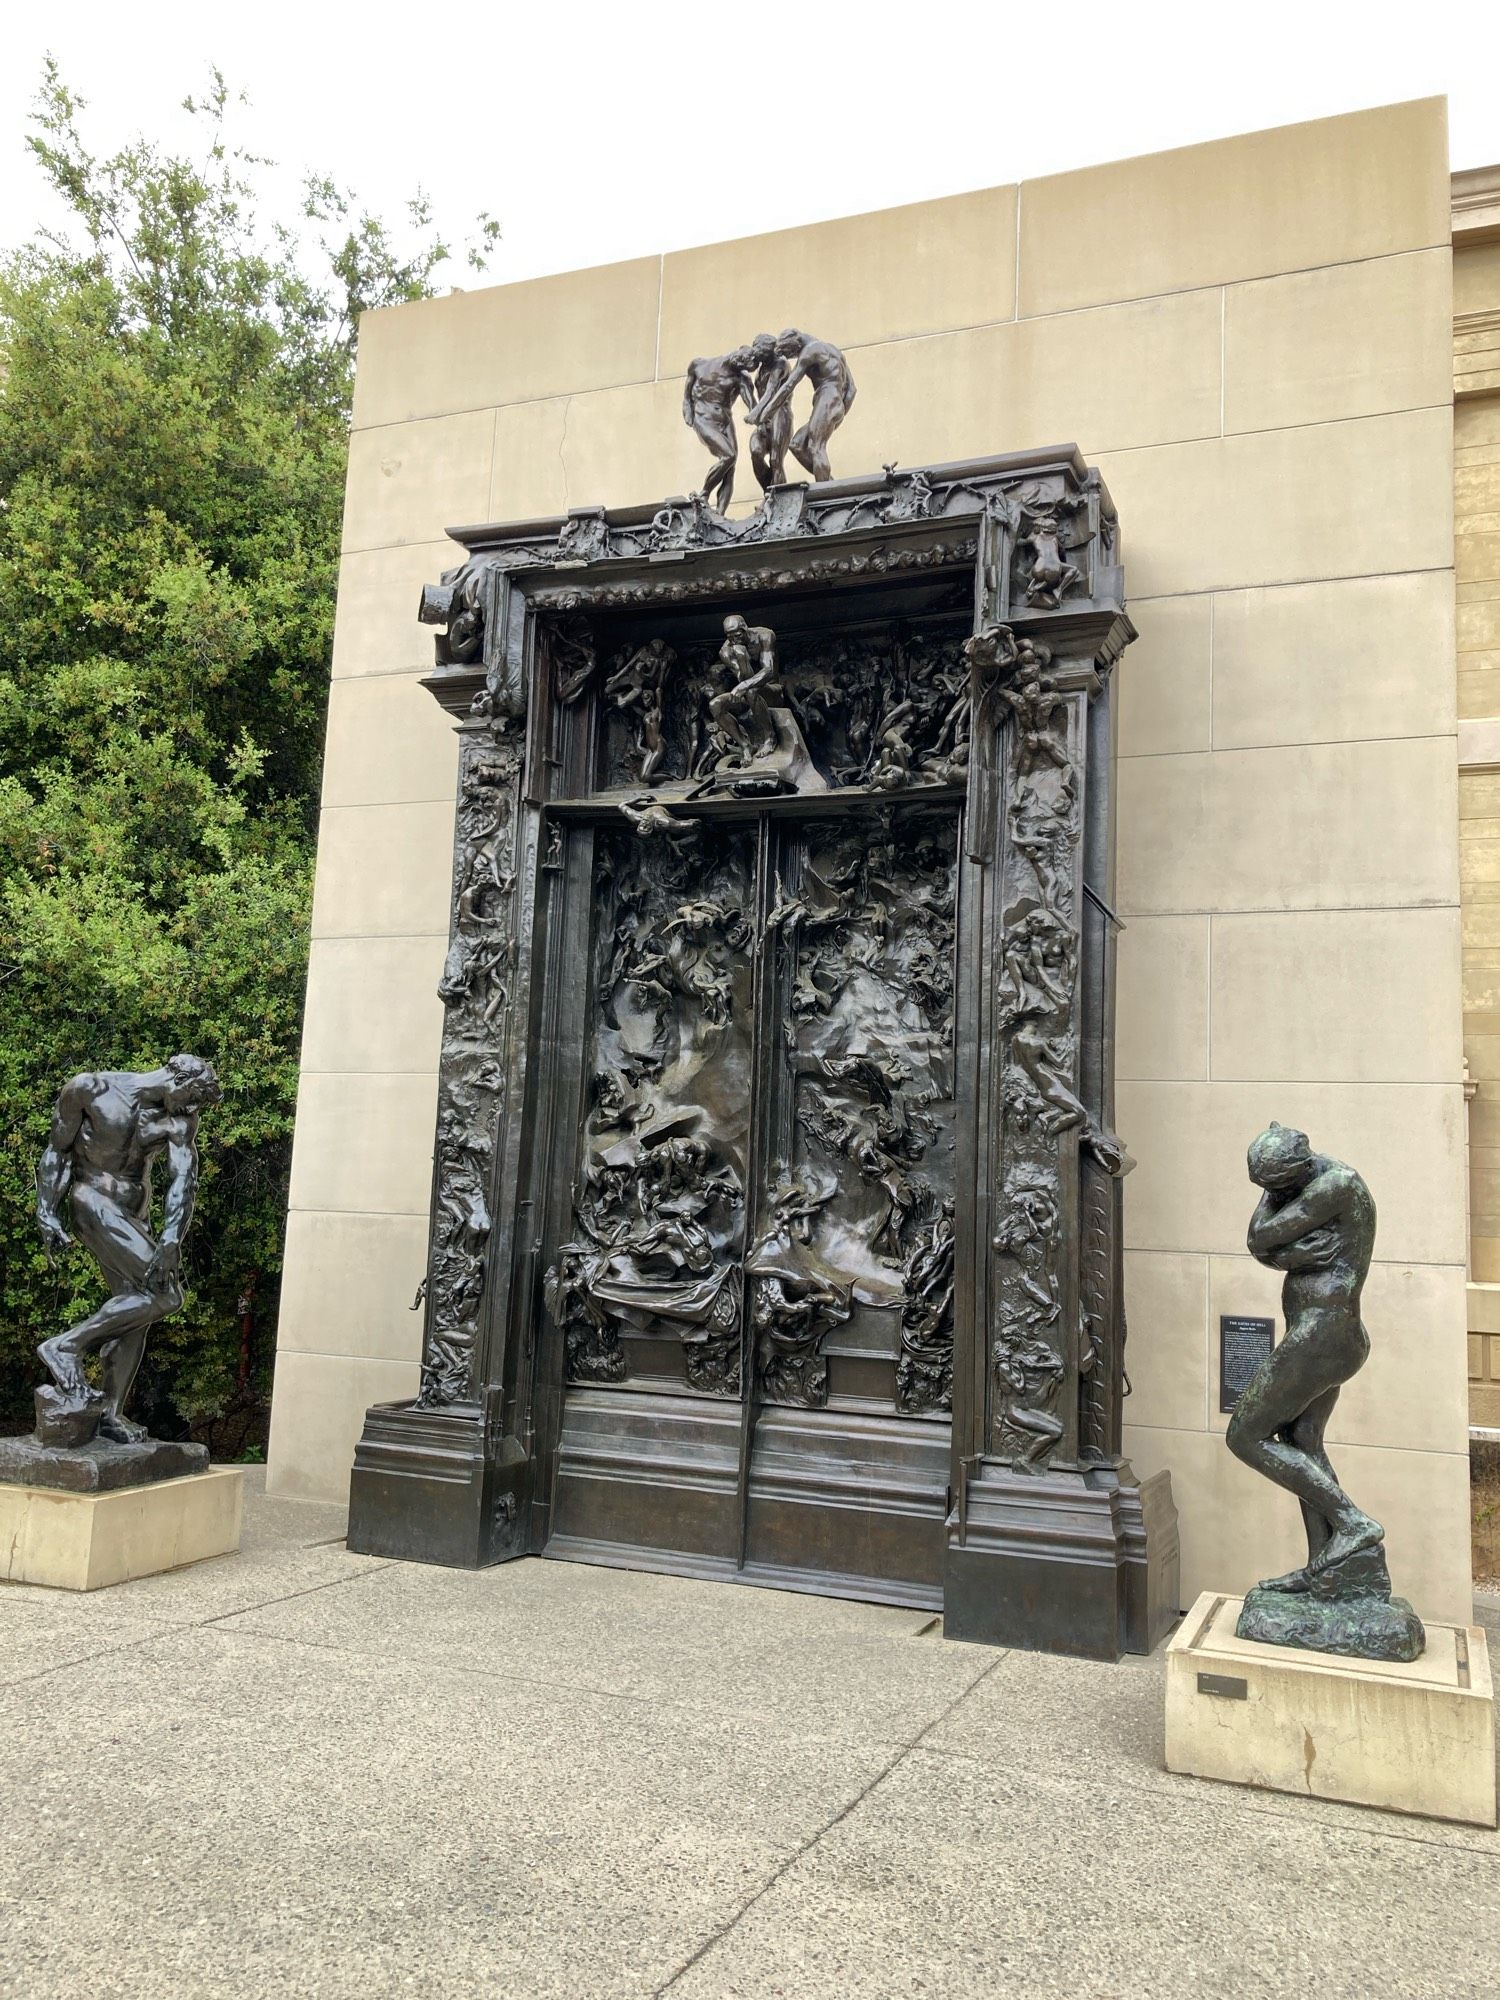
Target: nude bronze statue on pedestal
[
  {"x": 108, "y": 1130},
  {"x": 1315, "y": 1222}
]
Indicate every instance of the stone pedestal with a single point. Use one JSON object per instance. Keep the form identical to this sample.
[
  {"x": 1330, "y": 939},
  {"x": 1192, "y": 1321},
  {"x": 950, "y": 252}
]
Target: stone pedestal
[
  {"x": 72, "y": 1540},
  {"x": 1414, "y": 1737}
]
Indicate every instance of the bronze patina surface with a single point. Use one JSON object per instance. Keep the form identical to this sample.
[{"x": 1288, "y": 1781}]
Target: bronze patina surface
[
  {"x": 776, "y": 1212},
  {"x": 109, "y": 1131},
  {"x": 1315, "y": 1221}
]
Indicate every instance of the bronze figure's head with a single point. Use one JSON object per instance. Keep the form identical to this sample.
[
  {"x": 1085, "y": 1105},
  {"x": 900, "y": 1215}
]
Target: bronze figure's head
[
  {"x": 1280, "y": 1158},
  {"x": 194, "y": 1085}
]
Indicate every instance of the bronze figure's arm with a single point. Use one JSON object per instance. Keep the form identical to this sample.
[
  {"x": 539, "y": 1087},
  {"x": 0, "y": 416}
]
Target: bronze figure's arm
[
  {"x": 1272, "y": 1228},
  {"x": 182, "y": 1185},
  {"x": 54, "y": 1173},
  {"x": 779, "y": 396}
]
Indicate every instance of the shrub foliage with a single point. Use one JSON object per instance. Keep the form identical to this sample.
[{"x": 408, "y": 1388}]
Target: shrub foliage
[{"x": 175, "y": 382}]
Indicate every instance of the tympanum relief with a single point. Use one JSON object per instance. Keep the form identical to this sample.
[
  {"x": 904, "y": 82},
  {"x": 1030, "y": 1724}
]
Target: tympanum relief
[{"x": 757, "y": 714}]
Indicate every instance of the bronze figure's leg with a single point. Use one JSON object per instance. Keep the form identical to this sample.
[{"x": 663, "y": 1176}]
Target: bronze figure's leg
[
  {"x": 717, "y": 433},
  {"x": 1278, "y": 1426},
  {"x": 810, "y": 445},
  {"x": 117, "y": 1331},
  {"x": 768, "y": 447}
]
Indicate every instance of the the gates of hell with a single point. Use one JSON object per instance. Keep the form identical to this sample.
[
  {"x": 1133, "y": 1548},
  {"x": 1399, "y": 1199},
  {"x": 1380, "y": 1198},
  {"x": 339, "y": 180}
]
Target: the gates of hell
[{"x": 776, "y": 1208}]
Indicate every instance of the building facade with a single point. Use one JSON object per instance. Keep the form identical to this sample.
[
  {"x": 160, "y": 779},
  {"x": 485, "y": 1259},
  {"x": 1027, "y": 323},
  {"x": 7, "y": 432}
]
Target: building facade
[
  {"x": 1252, "y": 340},
  {"x": 1476, "y": 508}
]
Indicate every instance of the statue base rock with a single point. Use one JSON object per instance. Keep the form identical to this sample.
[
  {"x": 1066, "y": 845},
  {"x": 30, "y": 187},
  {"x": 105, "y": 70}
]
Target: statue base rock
[
  {"x": 1362, "y": 1628},
  {"x": 1409, "y": 1736},
  {"x": 67, "y": 1419},
  {"x": 1346, "y": 1609},
  {"x": 99, "y": 1466}
]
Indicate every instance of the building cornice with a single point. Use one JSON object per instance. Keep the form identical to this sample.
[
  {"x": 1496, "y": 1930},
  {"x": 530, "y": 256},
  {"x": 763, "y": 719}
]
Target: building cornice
[{"x": 1476, "y": 205}]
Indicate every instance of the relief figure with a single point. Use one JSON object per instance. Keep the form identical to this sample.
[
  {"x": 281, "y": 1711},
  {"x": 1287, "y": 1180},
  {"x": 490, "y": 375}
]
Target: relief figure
[
  {"x": 634, "y": 689},
  {"x": 1028, "y": 1376},
  {"x": 924, "y": 1369},
  {"x": 754, "y": 740}
]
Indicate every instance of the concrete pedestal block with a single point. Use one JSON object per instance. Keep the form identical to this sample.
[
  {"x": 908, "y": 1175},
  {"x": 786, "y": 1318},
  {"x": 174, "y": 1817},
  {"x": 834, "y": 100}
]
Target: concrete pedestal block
[
  {"x": 1414, "y": 1737},
  {"x": 83, "y": 1541}
]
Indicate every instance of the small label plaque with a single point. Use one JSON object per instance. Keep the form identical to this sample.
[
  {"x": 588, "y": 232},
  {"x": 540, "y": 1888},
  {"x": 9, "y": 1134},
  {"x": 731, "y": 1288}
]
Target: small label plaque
[
  {"x": 1243, "y": 1346},
  {"x": 1228, "y": 1687}
]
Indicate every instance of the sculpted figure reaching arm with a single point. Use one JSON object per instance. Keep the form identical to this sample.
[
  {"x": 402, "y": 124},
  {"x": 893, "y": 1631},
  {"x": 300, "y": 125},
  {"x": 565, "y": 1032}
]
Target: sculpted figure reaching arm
[{"x": 770, "y": 434}]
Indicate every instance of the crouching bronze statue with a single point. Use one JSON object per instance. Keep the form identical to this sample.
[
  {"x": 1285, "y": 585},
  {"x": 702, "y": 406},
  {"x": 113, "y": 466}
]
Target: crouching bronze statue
[
  {"x": 108, "y": 1131},
  {"x": 1316, "y": 1223}
]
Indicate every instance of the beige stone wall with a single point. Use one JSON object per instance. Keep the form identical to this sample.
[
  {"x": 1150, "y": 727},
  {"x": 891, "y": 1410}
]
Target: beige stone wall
[
  {"x": 1476, "y": 424},
  {"x": 1252, "y": 339}
]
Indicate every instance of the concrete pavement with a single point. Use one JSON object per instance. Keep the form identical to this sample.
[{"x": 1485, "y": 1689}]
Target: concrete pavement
[{"x": 301, "y": 1772}]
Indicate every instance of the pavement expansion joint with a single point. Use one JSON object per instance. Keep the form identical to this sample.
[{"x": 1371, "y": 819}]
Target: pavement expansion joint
[
  {"x": 891, "y": 1765},
  {"x": 287, "y": 1597}
]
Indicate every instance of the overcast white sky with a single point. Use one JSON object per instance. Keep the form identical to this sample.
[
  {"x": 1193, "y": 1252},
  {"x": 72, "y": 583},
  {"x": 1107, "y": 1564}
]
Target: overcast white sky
[{"x": 600, "y": 131}]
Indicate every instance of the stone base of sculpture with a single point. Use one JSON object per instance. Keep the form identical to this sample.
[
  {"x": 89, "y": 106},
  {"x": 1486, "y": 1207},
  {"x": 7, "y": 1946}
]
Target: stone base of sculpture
[
  {"x": 97, "y": 1467},
  {"x": 1411, "y": 1737},
  {"x": 1347, "y": 1609},
  {"x": 71, "y": 1540}
]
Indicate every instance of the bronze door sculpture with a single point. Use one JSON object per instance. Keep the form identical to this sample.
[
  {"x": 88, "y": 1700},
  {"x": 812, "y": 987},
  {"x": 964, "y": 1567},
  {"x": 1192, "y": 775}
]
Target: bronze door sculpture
[
  {"x": 776, "y": 1214},
  {"x": 758, "y": 1214}
]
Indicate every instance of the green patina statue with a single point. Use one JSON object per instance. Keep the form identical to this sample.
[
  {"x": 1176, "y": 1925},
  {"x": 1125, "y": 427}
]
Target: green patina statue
[{"x": 1316, "y": 1223}]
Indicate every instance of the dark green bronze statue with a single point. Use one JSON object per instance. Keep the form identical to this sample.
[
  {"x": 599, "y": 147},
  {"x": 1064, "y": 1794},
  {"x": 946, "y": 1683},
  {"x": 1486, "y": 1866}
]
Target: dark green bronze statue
[{"x": 1316, "y": 1222}]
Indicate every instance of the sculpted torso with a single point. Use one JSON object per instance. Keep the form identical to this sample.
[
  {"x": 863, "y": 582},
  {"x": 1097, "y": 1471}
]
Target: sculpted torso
[
  {"x": 1328, "y": 1258},
  {"x": 827, "y": 369},
  {"x": 117, "y": 1138},
  {"x": 714, "y": 385}
]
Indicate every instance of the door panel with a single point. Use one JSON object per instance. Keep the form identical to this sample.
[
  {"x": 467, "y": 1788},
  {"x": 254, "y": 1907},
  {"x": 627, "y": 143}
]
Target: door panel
[
  {"x": 649, "y": 1286},
  {"x": 764, "y": 1176},
  {"x": 862, "y": 1215}
]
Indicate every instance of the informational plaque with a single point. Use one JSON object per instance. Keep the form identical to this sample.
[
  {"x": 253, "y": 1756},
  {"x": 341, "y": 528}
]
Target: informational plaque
[{"x": 1243, "y": 1345}]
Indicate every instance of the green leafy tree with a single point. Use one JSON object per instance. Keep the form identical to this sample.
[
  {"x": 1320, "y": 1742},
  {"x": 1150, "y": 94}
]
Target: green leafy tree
[{"x": 175, "y": 383}]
